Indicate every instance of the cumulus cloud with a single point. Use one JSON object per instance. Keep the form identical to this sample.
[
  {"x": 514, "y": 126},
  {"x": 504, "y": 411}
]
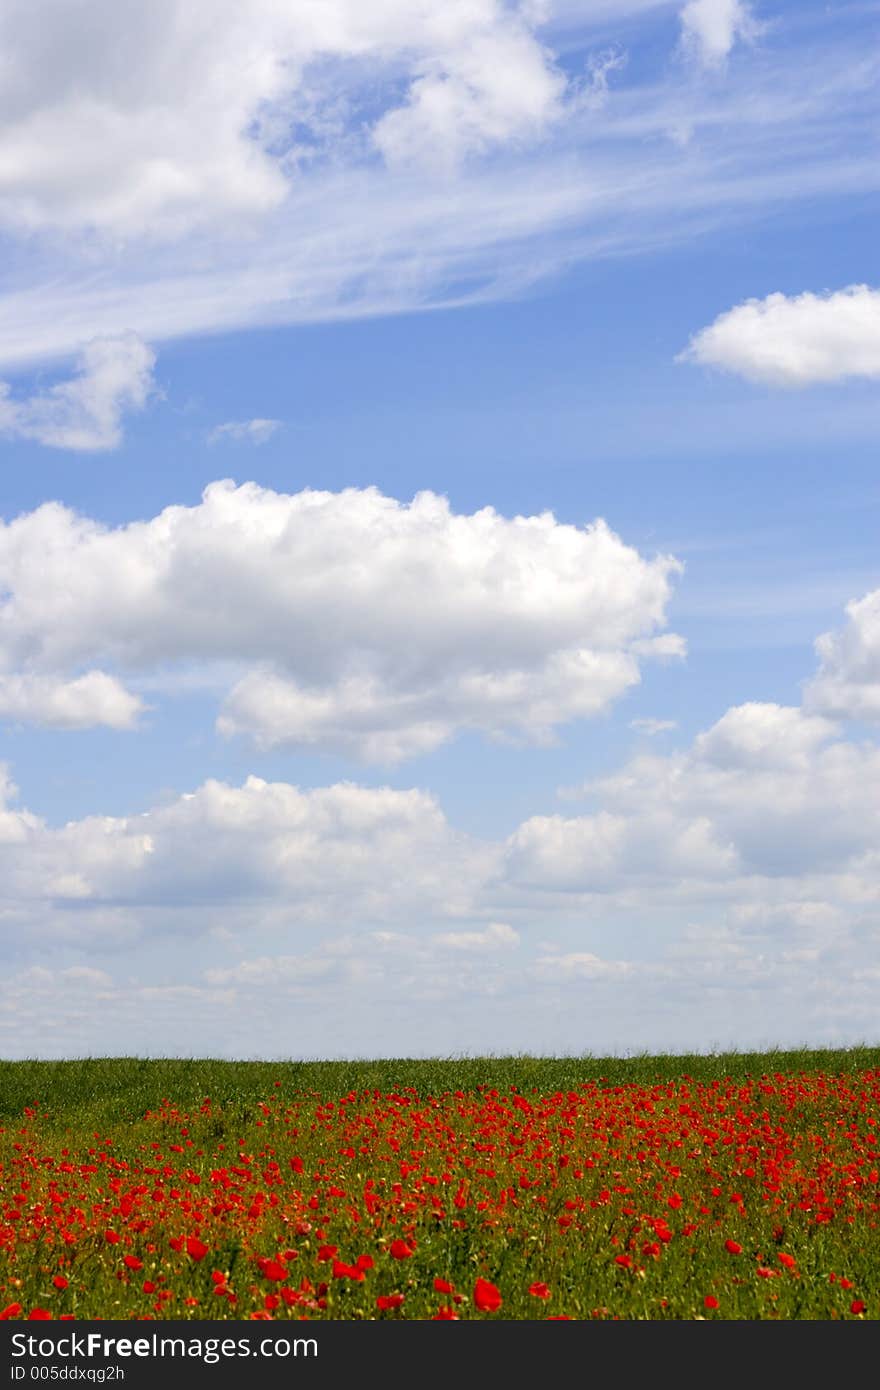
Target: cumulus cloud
[
  {"x": 847, "y": 684},
  {"x": 710, "y": 28},
  {"x": 724, "y": 894},
  {"x": 155, "y": 122},
  {"x": 498, "y": 86},
  {"x": 768, "y": 793},
  {"x": 798, "y": 340},
  {"x": 373, "y": 720},
  {"x": 602, "y": 853},
  {"x": 257, "y": 431},
  {"x": 770, "y": 806},
  {"x": 763, "y": 736},
  {"x": 329, "y": 855},
  {"x": 352, "y": 621},
  {"x": 89, "y": 700},
  {"x": 85, "y": 413}
]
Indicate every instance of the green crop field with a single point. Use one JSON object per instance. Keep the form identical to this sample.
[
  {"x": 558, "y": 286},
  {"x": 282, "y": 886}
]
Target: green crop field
[{"x": 739, "y": 1186}]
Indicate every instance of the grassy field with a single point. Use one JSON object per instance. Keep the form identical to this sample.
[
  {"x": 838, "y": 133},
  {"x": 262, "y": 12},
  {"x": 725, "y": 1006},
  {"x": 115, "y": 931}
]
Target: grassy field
[{"x": 735, "y": 1186}]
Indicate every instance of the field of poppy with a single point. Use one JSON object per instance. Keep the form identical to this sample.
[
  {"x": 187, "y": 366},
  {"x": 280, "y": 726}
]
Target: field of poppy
[{"x": 733, "y": 1187}]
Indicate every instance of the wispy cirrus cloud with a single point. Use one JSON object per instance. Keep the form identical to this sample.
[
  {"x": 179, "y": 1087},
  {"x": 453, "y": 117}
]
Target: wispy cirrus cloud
[
  {"x": 652, "y": 727},
  {"x": 85, "y": 412},
  {"x": 385, "y": 159},
  {"x": 256, "y": 431}
]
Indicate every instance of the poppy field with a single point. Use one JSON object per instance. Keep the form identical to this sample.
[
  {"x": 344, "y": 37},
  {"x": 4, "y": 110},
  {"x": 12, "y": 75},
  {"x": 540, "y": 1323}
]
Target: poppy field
[{"x": 731, "y": 1187}]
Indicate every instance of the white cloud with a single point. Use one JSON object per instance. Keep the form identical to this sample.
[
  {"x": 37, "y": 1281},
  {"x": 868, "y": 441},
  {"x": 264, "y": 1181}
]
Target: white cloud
[
  {"x": 595, "y": 90},
  {"x": 847, "y": 684},
  {"x": 293, "y": 973},
  {"x": 277, "y": 207},
  {"x": 763, "y": 736},
  {"x": 579, "y": 965},
  {"x": 85, "y": 413},
  {"x": 352, "y": 621},
  {"x": 710, "y": 28},
  {"x": 327, "y": 855},
  {"x": 742, "y": 818},
  {"x": 725, "y": 894},
  {"x": 498, "y": 936},
  {"x": 801, "y": 340},
  {"x": 257, "y": 431},
  {"x": 652, "y": 727},
  {"x": 88, "y": 700},
  {"x": 154, "y": 122},
  {"x": 603, "y": 853},
  {"x": 369, "y": 1004},
  {"x": 376, "y": 720},
  {"x": 768, "y": 794},
  {"x": 491, "y": 84}
]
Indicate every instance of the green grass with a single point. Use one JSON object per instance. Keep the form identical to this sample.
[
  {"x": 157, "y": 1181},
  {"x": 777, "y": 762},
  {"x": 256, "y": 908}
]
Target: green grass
[{"x": 114, "y": 1089}]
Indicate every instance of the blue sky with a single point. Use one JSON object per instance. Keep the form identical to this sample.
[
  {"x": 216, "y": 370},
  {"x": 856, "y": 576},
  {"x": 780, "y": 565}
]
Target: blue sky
[{"x": 300, "y": 766}]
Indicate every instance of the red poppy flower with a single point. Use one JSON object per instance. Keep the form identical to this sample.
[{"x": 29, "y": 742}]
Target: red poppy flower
[
  {"x": 399, "y": 1250},
  {"x": 486, "y": 1296},
  {"x": 710, "y": 1301},
  {"x": 539, "y": 1291},
  {"x": 389, "y": 1300},
  {"x": 445, "y": 1315},
  {"x": 59, "y": 1281},
  {"x": 856, "y": 1307},
  {"x": 271, "y": 1269},
  {"x": 195, "y": 1248},
  {"x": 788, "y": 1260},
  {"x": 132, "y": 1262},
  {"x": 444, "y": 1286},
  {"x": 733, "y": 1247},
  {"x": 111, "y": 1237},
  {"x": 39, "y": 1315},
  {"x": 11, "y": 1310}
]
